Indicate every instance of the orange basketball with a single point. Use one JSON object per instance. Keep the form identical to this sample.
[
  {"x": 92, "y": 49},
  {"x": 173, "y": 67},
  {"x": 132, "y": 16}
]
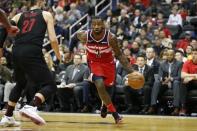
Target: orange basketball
[{"x": 136, "y": 80}]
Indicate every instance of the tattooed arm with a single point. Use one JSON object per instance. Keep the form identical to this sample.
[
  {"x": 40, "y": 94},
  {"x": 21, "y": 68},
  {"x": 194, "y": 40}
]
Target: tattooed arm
[
  {"x": 80, "y": 36},
  {"x": 12, "y": 30},
  {"x": 118, "y": 54},
  {"x": 4, "y": 20}
]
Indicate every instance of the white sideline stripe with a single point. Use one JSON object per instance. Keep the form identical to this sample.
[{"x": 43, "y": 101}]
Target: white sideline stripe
[{"x": 130, "y": 116}]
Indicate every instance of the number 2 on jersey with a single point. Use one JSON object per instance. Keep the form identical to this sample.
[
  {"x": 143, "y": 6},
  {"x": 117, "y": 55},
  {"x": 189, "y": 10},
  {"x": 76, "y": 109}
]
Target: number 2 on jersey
[{"x": 28, "y": 25}]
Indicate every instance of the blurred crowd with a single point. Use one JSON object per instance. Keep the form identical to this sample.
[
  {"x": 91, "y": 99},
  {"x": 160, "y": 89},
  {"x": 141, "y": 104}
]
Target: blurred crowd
[{"x": 159, "y": 38}]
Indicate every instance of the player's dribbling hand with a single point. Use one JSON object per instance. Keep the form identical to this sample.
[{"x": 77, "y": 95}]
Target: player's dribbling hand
[{"x": 13, "y": 31}]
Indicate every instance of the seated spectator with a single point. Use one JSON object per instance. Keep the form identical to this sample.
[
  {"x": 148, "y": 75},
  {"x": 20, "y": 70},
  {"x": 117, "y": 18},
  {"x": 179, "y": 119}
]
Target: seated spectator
[
  {"x": 131, "y": 33},
  {"x": 159, "y": 19},
  {"x": 175, "y": 18},
  {"x": 152, "y": 61},
  {"x": 132, "y": 95},
  {"x": 165, "y": 30},
  {"x": 135, "y": 48},
  {"x": 193, "y": 43},
  {"x": 188, "y": 52},
  {"x": 72, "y": 85},
  {"x": 119, "y": 69},
  {"x": 124, "y": 20},
  {"x": 169, "y": 78},
  {"x": 158, "y": 47},
  {"x": 153, "y": 10},
  {"x": 59, "y": 14},
  {"x": 6, "y": 73},
  {"x": 74, "y": 14},
  {"x": 166, "y": 42},
  {"x": 163, "y": 56},
  {"x": 8, "y": 87},
  {"x": 189, "y": 76},
  {"x": 183, "y": 43},
  {"x": 129, "y": 55},
  {"x": 136, "y": 18},
  {"x": 5, "y": 80},
  {"x": 179, "y": 56},
  {"x": 139, "y": 5},
  {"x": 83, "y": 7}
]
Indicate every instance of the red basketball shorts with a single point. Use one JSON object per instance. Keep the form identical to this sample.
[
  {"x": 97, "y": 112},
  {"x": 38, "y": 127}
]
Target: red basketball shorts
[{"x": 106, "y": 70}]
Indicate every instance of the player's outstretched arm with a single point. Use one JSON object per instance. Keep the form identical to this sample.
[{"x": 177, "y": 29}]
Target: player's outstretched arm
[
  {"x": 3, "y": 34},
  {"x": 12, "y": 30},
  {"x": 80, "y": 36},
  {"x": 4, "y": 20},
  {"x": 51, "y": 32},
  {"x": 118, "y": 54}
]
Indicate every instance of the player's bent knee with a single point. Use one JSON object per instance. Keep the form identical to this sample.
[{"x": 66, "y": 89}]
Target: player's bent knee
[{"x": 48, "y": 90}]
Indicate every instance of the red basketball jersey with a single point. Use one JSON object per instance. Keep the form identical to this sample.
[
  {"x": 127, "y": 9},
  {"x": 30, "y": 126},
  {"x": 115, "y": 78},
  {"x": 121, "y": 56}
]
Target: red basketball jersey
[
  {"x": 99, "y": 51},
  {"x": 100, "y": 58}
]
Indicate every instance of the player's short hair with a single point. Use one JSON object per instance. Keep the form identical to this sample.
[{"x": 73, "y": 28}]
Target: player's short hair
[{"x": 33, "y": 2}]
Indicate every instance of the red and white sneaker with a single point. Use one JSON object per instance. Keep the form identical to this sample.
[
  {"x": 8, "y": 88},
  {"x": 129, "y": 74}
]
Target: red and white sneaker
[
  {"x": 30, "y": 112},
  {"x": 117, "y": 117}
]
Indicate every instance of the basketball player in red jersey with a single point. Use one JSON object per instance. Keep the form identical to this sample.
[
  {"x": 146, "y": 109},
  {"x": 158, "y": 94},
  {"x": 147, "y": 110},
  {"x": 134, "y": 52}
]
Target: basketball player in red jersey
[
  {"x": 29, "y": 62},
  {"x": 100, "y": 44}
]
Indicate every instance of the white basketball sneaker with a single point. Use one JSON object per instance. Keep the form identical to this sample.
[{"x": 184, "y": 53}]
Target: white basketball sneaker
[
  {"x": 9, "y": 122},
  {"x": 30, "y": 112}
]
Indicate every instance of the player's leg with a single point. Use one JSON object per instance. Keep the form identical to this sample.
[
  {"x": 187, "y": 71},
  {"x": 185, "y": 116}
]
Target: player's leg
[
  {"x": 39, "y": 73},
  {"x": 20, "y": 78},
  {"x": 105, "y": 97},
  {"x": 103, "y": 109}
]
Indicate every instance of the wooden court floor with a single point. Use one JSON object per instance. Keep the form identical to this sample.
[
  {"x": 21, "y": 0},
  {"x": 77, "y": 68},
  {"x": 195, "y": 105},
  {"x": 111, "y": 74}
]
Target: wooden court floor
[{"x": 93, "y": 122}]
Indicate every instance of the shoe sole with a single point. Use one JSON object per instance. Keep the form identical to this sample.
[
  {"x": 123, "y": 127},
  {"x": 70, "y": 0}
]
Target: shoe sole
[{"x": 33, "y": 119}]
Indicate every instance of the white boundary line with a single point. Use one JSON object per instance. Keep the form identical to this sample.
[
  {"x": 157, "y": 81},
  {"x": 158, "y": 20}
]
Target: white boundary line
[{"x": 129, "y": 116}]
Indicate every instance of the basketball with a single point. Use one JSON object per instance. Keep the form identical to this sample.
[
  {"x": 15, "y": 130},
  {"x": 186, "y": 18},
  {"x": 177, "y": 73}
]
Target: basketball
[{"x": 136, "y": 80}]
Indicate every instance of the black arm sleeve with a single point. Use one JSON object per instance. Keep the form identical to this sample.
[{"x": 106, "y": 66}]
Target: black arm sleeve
[
  {"x": 73, "y": 43},
  {"x": 3, "y": 35}
]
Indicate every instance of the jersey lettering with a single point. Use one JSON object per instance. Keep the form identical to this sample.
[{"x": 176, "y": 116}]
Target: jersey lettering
[{"x": 28, "y": 25}]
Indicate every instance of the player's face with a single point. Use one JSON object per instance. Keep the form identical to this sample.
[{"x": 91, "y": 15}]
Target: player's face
[{"x": 97, "y": 26}]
